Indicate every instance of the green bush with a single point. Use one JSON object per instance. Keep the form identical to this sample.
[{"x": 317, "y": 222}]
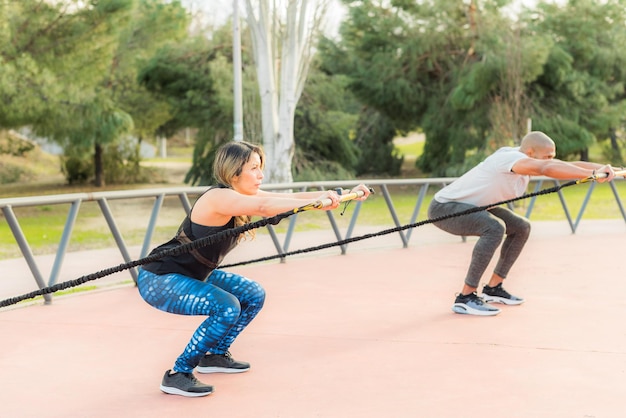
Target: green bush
[
  {"x": 14, "y": 146},
  {"x": 614, "y": 157},
  {"x": 11, "y": 172},
  {"x": 76, "y": 168},
  {"x": 378, "y": 155},
  {"x": 121, "y": 165},
  {"x": 320, "y": 171}
]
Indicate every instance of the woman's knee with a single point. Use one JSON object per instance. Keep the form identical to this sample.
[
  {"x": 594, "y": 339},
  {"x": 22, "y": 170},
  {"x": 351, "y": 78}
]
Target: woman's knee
[
  {"x": 249, "y": 293},
  {"x": 257, "y": 296},
  {"x": 230, "y": 309}
]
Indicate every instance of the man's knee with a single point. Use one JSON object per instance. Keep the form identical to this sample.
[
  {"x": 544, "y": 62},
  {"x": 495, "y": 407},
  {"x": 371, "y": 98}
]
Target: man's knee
[
  {"x": 526, "y": 228},
  {"x": 494, "y": 228},
  {"x": 522, "y": 227}
]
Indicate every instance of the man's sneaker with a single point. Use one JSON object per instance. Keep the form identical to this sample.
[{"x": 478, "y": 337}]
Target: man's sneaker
[
  {"x": 184, "y": 384},
  {"x": 221, "y": 363},
  {"x": 498, "y": 294},
  {"x": 472, "y": 304}
]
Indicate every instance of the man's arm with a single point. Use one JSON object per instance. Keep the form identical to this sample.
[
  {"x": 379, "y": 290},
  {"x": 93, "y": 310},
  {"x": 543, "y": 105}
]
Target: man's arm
[{"x": 561, "y": 170}]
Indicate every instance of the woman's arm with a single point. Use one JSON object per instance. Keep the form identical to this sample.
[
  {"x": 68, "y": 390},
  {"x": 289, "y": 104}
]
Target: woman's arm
[
  {"x": 316, "y": 194},
  {"x": 217, "y": 206}
]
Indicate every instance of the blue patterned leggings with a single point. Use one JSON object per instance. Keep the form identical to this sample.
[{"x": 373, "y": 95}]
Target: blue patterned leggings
[{"x": 229, "y": 300}]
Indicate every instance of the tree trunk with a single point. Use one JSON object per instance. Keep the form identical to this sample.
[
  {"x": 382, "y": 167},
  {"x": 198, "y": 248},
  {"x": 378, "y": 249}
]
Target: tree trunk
[
  {"x": 264, "y": 58},
  {"x": 292, "y": 43},
  {"x": 617, "y": 152},
  {"x": 584, "y": 154},
  {"x": 98, "y": 166}
]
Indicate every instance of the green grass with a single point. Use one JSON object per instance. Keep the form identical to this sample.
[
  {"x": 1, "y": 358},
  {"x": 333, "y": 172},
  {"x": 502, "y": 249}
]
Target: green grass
[
  {"x": 43, "y": 226},
  {"x": 175, "y": 153},
  {"x": 411, "y": 150}
]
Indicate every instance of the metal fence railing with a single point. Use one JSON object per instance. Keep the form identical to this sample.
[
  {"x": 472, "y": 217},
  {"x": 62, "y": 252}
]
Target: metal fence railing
[{"x": 281, "y": 242}]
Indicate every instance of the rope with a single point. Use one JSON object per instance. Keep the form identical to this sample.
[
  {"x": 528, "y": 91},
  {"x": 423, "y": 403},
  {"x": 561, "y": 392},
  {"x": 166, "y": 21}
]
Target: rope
[
  {"x": 212, "y": 239},
  {"x": 404, "y": 227},
  {"x": 181, "y": 249}
]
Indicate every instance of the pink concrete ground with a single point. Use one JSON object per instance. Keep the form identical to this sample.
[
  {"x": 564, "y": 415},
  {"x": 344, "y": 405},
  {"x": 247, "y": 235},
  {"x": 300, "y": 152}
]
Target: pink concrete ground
[{"x": 367, "y": 334}]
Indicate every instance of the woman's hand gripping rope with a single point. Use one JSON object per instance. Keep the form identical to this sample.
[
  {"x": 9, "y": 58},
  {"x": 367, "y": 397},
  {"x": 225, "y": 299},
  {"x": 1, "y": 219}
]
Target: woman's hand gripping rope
[{"x": 332, "y": 198}]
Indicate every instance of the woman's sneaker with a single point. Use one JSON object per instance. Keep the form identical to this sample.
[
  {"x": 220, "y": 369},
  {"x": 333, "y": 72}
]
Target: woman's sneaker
[
  {"x": 184, "y": 384},
  {"x": 499, "y": 295},
  {"x": 472, "y": 304},
  {"x": 221, "y": 363}
]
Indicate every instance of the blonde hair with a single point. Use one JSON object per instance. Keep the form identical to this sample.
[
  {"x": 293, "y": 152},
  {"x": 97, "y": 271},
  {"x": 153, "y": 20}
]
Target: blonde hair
[{"x": 229, "y": 161}]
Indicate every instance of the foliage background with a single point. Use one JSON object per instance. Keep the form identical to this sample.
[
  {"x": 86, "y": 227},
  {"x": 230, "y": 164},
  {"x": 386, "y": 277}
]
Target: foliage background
[{"x": 105, "y": 80}]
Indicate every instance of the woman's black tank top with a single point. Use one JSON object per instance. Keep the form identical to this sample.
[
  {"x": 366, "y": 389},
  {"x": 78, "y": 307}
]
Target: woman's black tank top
[{"x": 200, "y": 262}]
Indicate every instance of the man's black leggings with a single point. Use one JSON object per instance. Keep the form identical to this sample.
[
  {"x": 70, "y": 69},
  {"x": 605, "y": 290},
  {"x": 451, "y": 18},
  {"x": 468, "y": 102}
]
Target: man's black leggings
[{"x": 488, "y": 226}]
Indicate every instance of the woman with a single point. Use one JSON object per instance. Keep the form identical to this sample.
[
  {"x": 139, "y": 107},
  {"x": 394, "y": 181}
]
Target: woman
[{"x": 191, "y": 283}]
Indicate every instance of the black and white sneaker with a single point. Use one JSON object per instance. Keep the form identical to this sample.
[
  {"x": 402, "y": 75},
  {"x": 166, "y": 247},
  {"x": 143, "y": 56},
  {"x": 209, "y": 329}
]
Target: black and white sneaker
[
  {"x": 499, "y": 295},
  {"x": 221, "y": 363},
  {"x": 472, "y": 304},
  {"x": 184, "y": 384}
]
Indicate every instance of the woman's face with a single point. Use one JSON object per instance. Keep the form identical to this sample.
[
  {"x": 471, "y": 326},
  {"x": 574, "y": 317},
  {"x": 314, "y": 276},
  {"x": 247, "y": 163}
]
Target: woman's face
[{"x": 251, "y": 177}]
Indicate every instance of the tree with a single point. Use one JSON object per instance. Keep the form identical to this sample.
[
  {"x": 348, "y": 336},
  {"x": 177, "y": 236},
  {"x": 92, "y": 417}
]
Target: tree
[
  {"x": 81, "y": 63},
  {"x": 470, "y": 76},
  {"x": 427, "y": 65},
  {"x": 579, "y": 97},
  {"x": 182, "y": 75},
  {"x": 63, "y": 47},
  {"x": 324, "y": 124},
  {"x": 283, "y": 50},
  {"x": 50, "y": 54},
  {"x": 201, "y": 69},
  {"x": 152, "y": 25}
]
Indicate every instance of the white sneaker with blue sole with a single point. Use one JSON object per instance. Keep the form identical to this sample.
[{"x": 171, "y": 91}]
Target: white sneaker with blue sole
[{"x": 472, "y": 304}]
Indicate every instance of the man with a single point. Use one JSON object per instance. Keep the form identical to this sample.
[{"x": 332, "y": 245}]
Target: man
[{"x": 502, "y": 176}]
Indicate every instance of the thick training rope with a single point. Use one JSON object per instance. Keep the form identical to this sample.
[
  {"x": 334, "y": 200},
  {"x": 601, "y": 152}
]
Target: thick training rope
[
  {"x": 203, "y": 242},
  {"x": 404, "y": 227},
  {"x": 258, "y": 224}
]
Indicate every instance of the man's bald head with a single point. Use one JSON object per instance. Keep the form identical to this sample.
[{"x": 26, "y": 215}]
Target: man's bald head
[{"x": 538, "y": 145}]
